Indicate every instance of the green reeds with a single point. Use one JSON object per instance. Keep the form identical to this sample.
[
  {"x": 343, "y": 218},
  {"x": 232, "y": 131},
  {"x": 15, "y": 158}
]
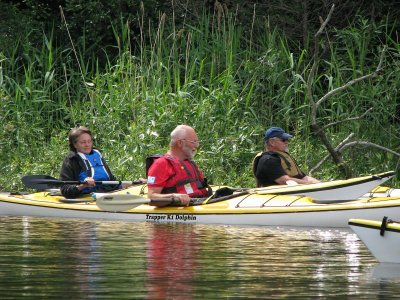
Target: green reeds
[{"x": 227, "y": 83}]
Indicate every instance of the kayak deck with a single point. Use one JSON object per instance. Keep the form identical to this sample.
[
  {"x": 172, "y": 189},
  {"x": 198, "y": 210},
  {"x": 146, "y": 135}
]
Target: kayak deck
[
  {"x": 374, "y": 224},
  {"x": 240, "y": 204}
]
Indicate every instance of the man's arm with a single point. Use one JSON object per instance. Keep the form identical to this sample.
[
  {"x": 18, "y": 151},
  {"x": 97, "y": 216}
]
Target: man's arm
[
  {"x": 305, "y": 180},
  {"x": 155, "y": 193}
]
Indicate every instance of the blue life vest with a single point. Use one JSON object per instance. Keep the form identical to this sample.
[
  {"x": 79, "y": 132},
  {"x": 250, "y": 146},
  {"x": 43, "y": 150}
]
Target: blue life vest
[{"x": 94, "y": 168}]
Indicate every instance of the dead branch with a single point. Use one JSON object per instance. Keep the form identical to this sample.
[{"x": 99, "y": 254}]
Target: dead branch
[
  {"x": 345, "y": 144},
  {"x": 354, "y": 81},
  {"x": 335, "y": 153},
  {"x": 319, "y": 131},
  {"x": 316, "y": 61},
  {"x": 338, "y": 147},
  {"x": 323, "y": 25},
  {"x": 367, "y": 144},
  {"x": 347, "y": 120},
  {"x": 314, "y": 107}
]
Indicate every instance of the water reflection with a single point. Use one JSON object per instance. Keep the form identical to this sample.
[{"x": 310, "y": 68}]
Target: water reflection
[
  {"x": 76, "y": 259},
  {"x": 59, "y": 251},
  {"x": 171, "y": 254}
]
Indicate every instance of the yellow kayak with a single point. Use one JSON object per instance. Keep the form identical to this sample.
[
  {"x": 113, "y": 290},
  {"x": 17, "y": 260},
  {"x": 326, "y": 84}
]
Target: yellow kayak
[{"x": 243, "y": 208}]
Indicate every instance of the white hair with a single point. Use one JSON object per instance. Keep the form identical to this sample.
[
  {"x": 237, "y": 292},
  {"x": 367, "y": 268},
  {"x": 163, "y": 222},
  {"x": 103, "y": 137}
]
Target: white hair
[{"x": 179, "y": 133}]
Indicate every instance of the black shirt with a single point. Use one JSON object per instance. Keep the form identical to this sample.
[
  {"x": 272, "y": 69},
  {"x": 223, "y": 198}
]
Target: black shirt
[{"x": 269, "y": 168}]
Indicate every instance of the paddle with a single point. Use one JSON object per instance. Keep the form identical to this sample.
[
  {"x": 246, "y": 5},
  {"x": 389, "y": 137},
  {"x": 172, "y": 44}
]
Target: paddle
[
  {"x": 112, "y": 202},
  {"x": 43, "y": 182},
  {"x": 123, "y": 202},
  {"x": 119, "y": 202}
]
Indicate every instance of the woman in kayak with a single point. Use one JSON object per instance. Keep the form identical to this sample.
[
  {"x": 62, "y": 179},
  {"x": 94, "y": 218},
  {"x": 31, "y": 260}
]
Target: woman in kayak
[{"x": 84, "y": 164}]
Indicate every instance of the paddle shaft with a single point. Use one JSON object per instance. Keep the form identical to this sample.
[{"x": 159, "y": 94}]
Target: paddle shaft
[
  {"x": 45, "y": 182},
  {"x": 110, "y": 182},
  {"x": 116, "y": 198}
]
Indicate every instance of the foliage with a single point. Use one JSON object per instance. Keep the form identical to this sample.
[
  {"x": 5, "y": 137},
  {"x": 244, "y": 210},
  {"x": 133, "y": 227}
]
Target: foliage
[
  {"x": 229, "y": 84},
  {"x": 15, "y": 24},
  {"x": 91, "y": 23}
]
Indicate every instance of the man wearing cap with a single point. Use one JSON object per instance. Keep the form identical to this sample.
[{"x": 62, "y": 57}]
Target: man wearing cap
[{"x": 275, "y": 165}]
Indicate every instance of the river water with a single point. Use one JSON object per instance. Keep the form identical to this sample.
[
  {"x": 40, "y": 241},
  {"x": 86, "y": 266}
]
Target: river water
[{"x": 43, "y": 258}]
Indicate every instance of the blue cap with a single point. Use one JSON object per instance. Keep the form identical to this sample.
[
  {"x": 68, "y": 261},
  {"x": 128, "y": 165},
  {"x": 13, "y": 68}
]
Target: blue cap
[{"x": 276, "y": 132}]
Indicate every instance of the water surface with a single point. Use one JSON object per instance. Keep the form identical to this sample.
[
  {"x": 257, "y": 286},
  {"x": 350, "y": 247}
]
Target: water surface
[{"x": 46, "y": 258}]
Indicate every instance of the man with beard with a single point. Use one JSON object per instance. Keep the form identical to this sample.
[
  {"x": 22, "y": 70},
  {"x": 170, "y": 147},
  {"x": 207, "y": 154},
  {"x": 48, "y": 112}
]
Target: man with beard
[
  {"x": 275, "y": 165},
  {"x": 175, "y": 175}
]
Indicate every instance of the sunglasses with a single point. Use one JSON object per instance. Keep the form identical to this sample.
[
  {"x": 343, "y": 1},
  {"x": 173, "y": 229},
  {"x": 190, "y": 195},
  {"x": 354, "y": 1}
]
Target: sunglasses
[{"x": 282, "y": 140}]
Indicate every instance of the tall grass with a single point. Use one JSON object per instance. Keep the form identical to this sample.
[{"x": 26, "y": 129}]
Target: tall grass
[{"x": 226, "y": 83}]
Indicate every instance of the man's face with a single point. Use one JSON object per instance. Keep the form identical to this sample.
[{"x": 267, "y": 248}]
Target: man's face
[
  {"x": 189, "y": 146},
  {"x": 279, "y": 144}
]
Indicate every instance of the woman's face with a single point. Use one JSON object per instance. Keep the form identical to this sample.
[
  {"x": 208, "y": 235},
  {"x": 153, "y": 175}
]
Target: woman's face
[{"x": 84, "y": 143}]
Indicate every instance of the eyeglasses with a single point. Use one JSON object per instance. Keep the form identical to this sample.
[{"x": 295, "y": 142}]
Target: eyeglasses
[{"x": 195, "y": 143}]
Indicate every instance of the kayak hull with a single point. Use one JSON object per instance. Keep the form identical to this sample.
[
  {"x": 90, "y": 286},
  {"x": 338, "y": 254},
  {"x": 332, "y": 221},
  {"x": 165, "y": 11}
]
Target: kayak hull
[
  {"x": 251, "y": 209},
  {"x": 384, "y": 242}
]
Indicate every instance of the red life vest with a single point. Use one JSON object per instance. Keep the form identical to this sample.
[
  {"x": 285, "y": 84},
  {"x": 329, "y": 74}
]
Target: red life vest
[{"x": 182, "y": 176}]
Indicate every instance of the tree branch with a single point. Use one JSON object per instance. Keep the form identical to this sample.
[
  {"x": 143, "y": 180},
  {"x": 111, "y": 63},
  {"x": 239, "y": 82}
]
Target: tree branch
[
  {"x": 315, "y": 66},
  {"x": 337, "y": 149},
  {"x": 354, "y": 81},
  {"x": 346, "y": 120},
  {"x": 367, "y": 144},
  {"x": 345, "y": 144},
  {"x": 323, "y": 25}
]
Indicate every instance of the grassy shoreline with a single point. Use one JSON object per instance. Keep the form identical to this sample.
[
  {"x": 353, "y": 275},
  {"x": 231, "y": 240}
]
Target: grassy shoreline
[{"x": 226, "y": 83}]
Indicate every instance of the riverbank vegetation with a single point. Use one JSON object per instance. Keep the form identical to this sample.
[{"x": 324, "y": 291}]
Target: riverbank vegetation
[{"x": 228, "y": 80}]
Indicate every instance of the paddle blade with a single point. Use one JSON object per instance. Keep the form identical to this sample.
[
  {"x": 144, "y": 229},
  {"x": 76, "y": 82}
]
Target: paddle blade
[
  {"x": 40, "y": 182},
  {"x": 118, "y": 202}
]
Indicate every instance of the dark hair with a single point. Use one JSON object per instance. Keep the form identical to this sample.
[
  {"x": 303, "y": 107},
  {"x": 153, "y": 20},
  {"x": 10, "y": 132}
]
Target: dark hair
[{"x": 75, "y": 133}]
